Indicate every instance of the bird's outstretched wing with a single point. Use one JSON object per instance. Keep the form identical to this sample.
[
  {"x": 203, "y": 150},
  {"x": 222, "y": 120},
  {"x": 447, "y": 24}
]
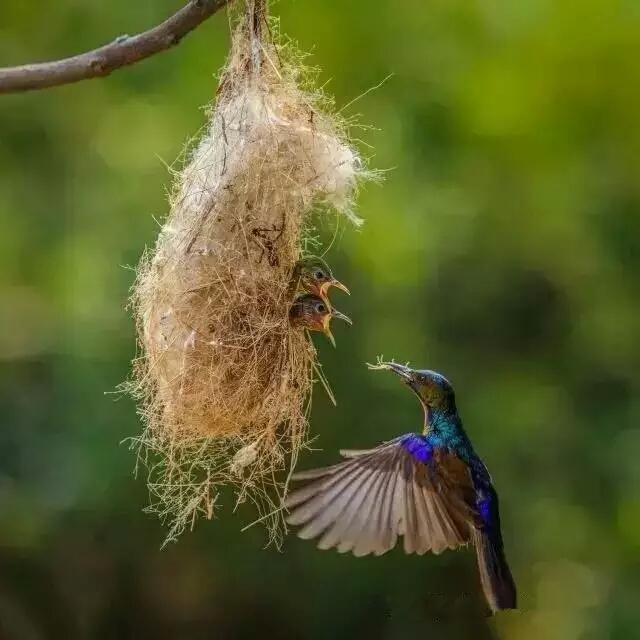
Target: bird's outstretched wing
[{"x": 363, "y": 503}]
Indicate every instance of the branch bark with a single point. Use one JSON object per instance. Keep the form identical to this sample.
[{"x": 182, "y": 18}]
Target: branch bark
[{"x": 123, "y": 51}]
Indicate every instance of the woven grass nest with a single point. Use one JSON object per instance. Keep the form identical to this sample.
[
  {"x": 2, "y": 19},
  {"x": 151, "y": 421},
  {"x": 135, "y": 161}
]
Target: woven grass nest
[{"x": 223, "y": 382}]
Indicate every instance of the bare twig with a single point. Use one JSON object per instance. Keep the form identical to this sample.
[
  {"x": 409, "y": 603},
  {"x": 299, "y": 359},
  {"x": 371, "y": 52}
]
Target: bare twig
[{"x": 123, "y": 51}]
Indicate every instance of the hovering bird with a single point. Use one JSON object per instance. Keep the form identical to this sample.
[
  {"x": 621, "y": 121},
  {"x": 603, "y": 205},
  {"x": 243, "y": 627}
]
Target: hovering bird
[
  {"x": 431, "y": 488},
  {"x": 313, "y": 275},
  {"x": 310, "y": 311}
]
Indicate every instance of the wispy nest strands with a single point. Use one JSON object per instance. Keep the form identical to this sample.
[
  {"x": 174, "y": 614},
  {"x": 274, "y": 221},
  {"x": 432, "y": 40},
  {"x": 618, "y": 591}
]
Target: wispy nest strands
[{"x": 223, "y": 382}]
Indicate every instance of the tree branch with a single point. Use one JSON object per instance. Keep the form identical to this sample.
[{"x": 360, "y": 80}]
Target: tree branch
[{"x": 123, "y": 51}]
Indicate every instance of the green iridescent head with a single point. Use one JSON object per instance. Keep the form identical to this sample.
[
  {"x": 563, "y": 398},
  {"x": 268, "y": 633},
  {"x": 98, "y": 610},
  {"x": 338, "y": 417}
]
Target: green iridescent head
[
  {"x": 433, "y": 389},
  {"x": 311, "y": 312},
  {"x": 314, "y": 276}
]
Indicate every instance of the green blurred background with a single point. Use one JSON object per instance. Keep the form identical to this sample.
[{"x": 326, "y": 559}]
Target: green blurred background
[{"x": 503, "y": 249}]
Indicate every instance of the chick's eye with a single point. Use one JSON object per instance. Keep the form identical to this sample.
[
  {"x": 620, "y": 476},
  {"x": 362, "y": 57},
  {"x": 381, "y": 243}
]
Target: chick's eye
[
  {"x": 320, "y": 308},
  {"x": 319, "y": 275}
]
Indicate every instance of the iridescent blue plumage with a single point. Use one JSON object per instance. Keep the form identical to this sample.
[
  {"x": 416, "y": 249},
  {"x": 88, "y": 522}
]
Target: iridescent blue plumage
[
  {"x": 417, "y": 446},
  {"x": 430, "y": 488}
]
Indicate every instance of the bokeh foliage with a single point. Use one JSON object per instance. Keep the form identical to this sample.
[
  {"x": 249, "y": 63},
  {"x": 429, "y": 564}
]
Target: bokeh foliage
[{"x": 503, "y": 249}]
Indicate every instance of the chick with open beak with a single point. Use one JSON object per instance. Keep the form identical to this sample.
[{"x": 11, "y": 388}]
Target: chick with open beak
[
  {"x": 310, "y": 311},
  {"x": 313, "y": 275}
]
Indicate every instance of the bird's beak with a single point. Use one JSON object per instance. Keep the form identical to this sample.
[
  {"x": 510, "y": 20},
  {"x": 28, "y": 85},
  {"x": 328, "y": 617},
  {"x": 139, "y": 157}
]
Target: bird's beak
[
  {"x": 326, "y": 329},
  {"x": 337, "y": 284},
  {"x": 336, "y": 314},
  {"x": 404, "y": 372},
  {"x": 409, "y": 377}
]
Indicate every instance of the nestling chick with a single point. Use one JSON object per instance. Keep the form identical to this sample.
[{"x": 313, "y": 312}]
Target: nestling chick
[
  {"x": 311, "y": 312},
  {"x": 313, "y": 275}
]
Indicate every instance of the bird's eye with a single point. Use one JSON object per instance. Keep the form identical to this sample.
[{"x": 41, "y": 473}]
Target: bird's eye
[
  {"x": 319, "y": 274},
  {"x": 320, "y": 308}
]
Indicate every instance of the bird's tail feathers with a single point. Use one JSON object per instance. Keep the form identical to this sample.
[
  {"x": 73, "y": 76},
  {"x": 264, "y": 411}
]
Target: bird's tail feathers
[{"x": 495, "y": 576}]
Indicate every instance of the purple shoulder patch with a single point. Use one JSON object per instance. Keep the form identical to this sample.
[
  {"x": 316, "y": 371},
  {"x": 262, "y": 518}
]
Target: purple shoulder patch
[{"x": 417, "y": 446}]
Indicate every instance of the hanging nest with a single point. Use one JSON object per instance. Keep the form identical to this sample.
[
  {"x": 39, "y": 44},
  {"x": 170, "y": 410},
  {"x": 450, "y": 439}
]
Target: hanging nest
[{"x": 223, "y": 381}]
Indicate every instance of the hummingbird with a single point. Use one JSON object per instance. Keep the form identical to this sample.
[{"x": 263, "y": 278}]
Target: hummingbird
[
  {"x": 429, "y": 487},
  {"x": 310, "y": 311},
  {"x": 313, "y": 275}
]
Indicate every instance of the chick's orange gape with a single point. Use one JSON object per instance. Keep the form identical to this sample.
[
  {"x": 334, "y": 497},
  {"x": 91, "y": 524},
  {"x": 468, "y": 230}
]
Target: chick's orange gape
[
  {"x": 311, "y": 312},
  {"x": 313, "y": 275}
]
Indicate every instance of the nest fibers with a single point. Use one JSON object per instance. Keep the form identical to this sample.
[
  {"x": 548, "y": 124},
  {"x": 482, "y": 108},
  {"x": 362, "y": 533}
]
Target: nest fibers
[{"x": 223, "y": 381}]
